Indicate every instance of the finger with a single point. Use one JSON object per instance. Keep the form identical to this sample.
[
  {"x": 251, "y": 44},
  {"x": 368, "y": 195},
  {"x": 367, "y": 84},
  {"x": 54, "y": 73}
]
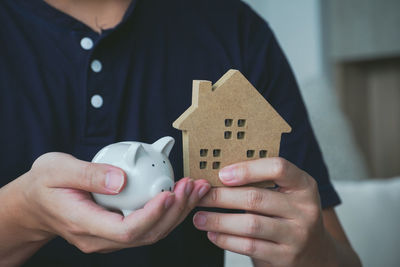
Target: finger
[
  {"x": 63, "y": 170},
  {"x": 278, "y": 170},
  {"x": 263, "y": 201},
  {"x": 90, "y": 244},
  {"x": 182, "y": 191},
  {"x": 96, "y": 221},
  {"x": 245, "y": 225},
  {"x": 201, "y": 188},
  {"x": 255, "y": 248}
]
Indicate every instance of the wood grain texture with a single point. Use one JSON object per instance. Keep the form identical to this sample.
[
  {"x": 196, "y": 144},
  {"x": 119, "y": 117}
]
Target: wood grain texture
[{"x": 228, "y": 122}]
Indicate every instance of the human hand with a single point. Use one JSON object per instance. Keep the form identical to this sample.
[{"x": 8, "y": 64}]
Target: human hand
[
  {"x": 281, "y": 227},
  {"x": 56, "y": 201}
]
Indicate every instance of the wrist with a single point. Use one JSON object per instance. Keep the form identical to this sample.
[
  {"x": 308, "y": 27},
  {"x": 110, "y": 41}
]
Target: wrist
[
  {"x": 340, "y": 253},
  {"x": 20, "y": 212},
  {"x": 259, "y": 263},
  {"x": 18, "y": 241},
  {"x": 331, "y": 258}
]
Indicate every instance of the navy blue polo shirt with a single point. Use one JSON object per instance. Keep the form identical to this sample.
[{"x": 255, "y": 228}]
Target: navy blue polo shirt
[{"x": 64, "y": 87}]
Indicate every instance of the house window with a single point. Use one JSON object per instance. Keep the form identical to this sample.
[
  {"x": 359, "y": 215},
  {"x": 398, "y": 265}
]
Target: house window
[
  {"x": 241, "y": 123},
  {"x": 263, "y": 153},
  {"x": 240, "y": 135},
  {"x": 228, "y": 135},
  {"x": 203, "y": 165},
  {"x": 250, "y": 153},
  {"x": 228, "y": 122},
  {"x": 216, "y": 152},
  {"x": 203, "y": 152},
  {"x": 216, "y": 165}
]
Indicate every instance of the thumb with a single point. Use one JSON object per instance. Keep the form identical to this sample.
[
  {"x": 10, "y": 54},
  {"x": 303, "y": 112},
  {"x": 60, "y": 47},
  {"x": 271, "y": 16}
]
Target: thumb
[{"x": 63, "y": 170}]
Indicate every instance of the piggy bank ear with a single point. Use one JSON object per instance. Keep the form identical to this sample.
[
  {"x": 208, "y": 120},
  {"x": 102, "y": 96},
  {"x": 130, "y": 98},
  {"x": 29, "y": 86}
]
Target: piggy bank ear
[
  {"x": 134, "y": 152},
  {"x": 164, "y": 145}
]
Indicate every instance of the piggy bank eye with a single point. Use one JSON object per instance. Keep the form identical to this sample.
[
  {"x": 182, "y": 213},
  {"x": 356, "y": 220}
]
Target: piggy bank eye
[
  {"x": 163, "y": 161},
  {"x": 153, "y": 165}
]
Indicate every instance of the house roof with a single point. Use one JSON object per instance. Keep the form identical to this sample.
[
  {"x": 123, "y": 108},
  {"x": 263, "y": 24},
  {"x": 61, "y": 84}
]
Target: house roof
[{"x": 231, "y": 93}]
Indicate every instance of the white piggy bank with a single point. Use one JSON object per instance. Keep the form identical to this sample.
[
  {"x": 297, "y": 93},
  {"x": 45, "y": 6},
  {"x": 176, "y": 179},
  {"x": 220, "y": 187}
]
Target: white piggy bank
[{"x": 148, "y": 170}]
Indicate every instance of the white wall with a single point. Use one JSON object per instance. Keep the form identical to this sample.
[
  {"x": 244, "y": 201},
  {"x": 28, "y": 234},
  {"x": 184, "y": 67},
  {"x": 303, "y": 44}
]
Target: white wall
[
  {"x": 298, "y": 29},
  {"x": 362, "y": 29}
]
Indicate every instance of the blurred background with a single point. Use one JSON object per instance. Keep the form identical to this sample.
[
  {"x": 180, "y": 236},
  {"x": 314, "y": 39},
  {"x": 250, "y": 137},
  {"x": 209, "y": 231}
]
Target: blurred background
[{"x": 346, "y": 57}]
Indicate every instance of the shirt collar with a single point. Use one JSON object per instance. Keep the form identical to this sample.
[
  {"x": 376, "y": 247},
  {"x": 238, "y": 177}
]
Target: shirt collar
[{"x": 40, "y": 9}]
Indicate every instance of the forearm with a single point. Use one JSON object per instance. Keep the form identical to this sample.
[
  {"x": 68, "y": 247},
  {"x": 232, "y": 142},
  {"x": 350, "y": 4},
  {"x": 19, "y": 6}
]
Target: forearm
[
  {"x": 17, "y": 253},
  {"x": 17, "y": 242},
  {"x": 337, "y": 254},
  {"x": 343, "y": 255}
]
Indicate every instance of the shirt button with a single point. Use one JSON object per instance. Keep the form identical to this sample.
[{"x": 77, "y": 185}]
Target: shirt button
[
  {"x": 96, "y": 101},
  {"x": 96, "y": 65},
  {"x": 86, "y": 43}
]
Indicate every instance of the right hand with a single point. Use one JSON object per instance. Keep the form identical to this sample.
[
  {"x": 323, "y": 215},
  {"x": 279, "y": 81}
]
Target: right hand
[{"x": 56, "y": 201}]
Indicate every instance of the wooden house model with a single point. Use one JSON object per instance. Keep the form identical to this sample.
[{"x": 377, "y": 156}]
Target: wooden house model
[{"x": 228, "y": 122}]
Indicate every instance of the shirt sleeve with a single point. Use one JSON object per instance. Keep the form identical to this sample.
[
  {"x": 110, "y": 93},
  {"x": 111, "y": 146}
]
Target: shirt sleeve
[{"x": 266, "y": 66}]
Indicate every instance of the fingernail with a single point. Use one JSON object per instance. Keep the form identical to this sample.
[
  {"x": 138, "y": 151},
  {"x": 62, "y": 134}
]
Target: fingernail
[
  {"x": 189, "y": 187},
  {"x": 212, "y": 236},
  {"x": 114, "y": 181},
  {"x": 169, "y": 201},
  {"x": 227, "y": 174},
  {"x": 200, "y": 219},
  {"x": 203, "y": 190}
]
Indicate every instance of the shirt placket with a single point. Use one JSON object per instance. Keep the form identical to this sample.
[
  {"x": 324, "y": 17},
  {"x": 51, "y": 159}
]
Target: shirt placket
[{"x": 97, "y": 102}]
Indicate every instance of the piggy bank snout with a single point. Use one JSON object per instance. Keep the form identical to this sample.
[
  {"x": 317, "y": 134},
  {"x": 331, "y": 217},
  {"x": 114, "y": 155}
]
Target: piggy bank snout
[{"x": 162, "y": 184}]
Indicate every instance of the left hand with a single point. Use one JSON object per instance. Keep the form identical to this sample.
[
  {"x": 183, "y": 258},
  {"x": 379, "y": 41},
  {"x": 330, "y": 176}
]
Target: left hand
[{"x": 281, "y": 227}]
